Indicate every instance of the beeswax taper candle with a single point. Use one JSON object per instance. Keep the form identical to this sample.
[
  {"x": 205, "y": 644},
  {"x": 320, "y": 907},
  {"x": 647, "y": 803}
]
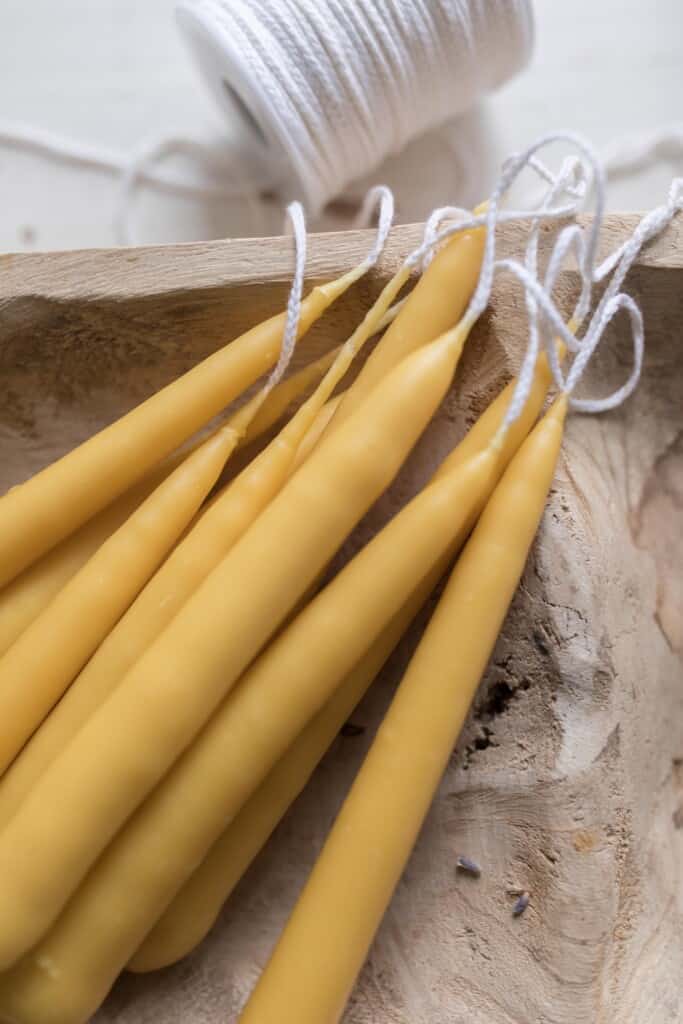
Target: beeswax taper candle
[
  {"x": 435, "y": 304},
  {"x": 28, "y": 594},
  {"x": 90, "y": 942},
  {"x": 145, "y": 864},
  {"x": 25, "y": 597},
  {"x": 55, "y": 646},
  {"x": 317, "y": 959},
  {"x": 221, "y": 525},
  {"x": 198, "y": 904},
  {"x": 155, "y": 712},
  {"x": 38, "y": 514}
]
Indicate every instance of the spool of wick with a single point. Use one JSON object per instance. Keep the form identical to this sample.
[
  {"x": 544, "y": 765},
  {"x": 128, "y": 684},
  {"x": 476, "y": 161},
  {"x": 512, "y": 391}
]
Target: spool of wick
[{"x": 317, "y": 93}]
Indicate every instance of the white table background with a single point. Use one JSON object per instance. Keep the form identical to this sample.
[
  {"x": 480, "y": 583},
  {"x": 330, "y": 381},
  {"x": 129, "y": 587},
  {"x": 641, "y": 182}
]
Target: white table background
[{"x": 115, "y": 72}]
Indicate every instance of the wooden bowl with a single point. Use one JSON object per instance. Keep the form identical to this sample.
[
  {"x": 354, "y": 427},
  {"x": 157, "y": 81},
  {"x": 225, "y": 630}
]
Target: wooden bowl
[{"x": 568, "y": 778}]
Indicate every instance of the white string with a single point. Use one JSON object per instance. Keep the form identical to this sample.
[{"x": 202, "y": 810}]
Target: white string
[
  {"x": 575, "y": 179},
  {"x": 218, "y": 168},
  {"x": 612, "y": 302},
  {"x": 383, "y": 197},
  {"x": 295, "y": 218},
  {"x": 579, "y": 177},
  {"x": 379, "y": 198},
  {"x": 209, "y": 159},
  {"x": 572, "y": 180},
  {"x": 511, "y": 170},
  {"x": 651, "y": 225},
  {"x": 330, "y": 89},
  {"x": 139, "y": 168},
  {"x": 627, "y": 156},
  {"x": 572, "y": 171},
  {"x": 434, "y": 234}
]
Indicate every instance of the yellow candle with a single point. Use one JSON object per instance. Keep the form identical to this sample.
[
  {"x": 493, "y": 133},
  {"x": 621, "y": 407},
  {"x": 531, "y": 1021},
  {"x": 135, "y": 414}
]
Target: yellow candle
[
  {"x": 43, "y": 661},
  {"x": 285, "y": 394},
  {"x": 22, "y": 600},
  {"x": 225, "y": 520},
  {"x": 151, "y": 857},
  {"x": 38, "y": 514},
  {"x": 315, "y": 964},
  {"x": 316, "y": 431},
  {"x": 90, "y": 942},
  {"x": 437, "y": 301},
  {"x": 156, "y": 711},
  {"x": 222, "y": 523},
  {"x": 88, "y": 946},
  {"x": 126, "y": 891},
  {"x": 197, "y": 905}
]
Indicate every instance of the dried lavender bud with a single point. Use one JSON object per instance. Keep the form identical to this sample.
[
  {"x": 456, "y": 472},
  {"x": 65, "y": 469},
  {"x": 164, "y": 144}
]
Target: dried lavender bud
[
  {"x": 521, "y": 904},
  {"x": 465, "y": 864}
]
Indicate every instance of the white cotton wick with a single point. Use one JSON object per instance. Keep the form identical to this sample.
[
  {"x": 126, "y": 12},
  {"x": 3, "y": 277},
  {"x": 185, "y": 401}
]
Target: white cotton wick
[
  {"x": 383, "y": 197},
  {"x": 570, "y": 180},
  {"x": 295, "y": 219},
  {"x": 612, "y": 302},
  {"x": 317, "y": 93},
  {"x": 579, "y": 177}
]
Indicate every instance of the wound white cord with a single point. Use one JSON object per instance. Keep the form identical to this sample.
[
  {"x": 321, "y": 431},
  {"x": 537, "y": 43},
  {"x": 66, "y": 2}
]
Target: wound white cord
[
  {"x": 325, "y": 90},
  {"x": 317, "y": 93},
  {"x": 576, "y": 179}
]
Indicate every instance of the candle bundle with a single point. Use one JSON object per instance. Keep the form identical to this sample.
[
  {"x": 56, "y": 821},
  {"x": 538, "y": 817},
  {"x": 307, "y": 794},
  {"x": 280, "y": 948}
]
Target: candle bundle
[
  {"x": 153, "y": 750},
  {"x": 177, "y": 579},
  {"x": 313, "y": 968}
]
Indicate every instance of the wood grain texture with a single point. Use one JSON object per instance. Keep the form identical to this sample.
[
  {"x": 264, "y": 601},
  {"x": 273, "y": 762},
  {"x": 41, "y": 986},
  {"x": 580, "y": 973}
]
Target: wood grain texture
[
  {"x": 568, "y": 778},
  {"x": 157, "y": 270}
]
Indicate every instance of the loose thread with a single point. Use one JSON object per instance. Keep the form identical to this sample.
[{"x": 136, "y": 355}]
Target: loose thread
[
  {"x": 544, "y": 318},
  {"x": 379, "y": 198}
]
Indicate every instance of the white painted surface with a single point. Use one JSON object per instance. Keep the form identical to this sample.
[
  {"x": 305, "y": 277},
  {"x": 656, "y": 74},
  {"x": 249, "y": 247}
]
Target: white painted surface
[{"x": 115, "y": 72}]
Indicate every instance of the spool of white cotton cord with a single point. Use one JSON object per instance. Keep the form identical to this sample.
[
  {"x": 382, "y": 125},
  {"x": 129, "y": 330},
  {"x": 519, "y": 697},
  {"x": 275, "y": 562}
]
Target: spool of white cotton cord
[{"x": 318, "y": 93}]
